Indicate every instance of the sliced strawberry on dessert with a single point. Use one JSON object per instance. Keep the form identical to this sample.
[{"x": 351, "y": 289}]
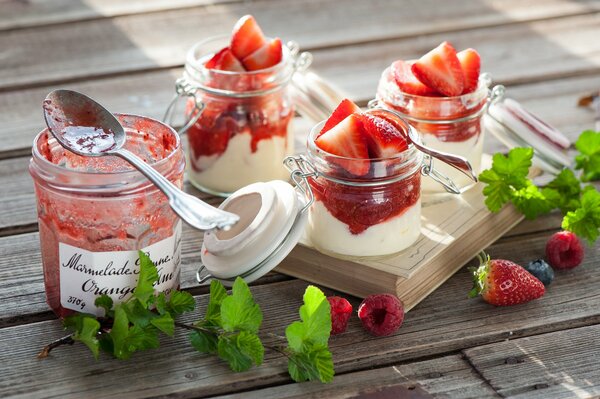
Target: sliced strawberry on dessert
[
  {"x": 265, "y": 57},
  {"x": 247, "y": 37},
  {"x": 343, "y": 110},
  {"x": 383, "y": 138},
  {"x": 470, "y": 63},
  {"x": 440, "y": 69},
  {"x": 224, "y": 60},
  {"x": 502, "y": 283},
  {"x": 347, "y": 139},
  {"x": 407, "y": 81}
]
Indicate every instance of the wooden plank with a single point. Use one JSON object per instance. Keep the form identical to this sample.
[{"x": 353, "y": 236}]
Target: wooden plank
[
  {"x": 562, "y": 364},
  {"x": 445, "y": 322},
  {"x": 18, "y": 14},
  {"x": 449, "y": 376},
  {"x": 160, "y": 40}
]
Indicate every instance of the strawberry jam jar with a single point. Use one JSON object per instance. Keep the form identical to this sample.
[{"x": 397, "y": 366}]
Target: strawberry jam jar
[
  {"x": 450, "y": 124},
  {"x": 94, "y": 214},
  {"x": 240, "y": 123},
  {"x": 372, "y": 215}
]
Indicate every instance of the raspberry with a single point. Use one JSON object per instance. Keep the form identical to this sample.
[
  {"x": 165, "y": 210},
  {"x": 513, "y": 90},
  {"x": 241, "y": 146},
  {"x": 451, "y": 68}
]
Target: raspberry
[
  {"x": 341, "y": 310},
  {"x": 564, "y": 250},
  {"x": 381, "y": 314}
]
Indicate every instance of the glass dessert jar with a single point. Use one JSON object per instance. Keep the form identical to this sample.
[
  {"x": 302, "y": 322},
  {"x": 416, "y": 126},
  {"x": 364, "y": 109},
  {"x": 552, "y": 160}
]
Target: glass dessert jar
[
  {"x": 373, "y": 215},
  {"x": 239, "y": 124},
  {"x": 449, "y": 124},
  {"x": 94, "y": 215}
]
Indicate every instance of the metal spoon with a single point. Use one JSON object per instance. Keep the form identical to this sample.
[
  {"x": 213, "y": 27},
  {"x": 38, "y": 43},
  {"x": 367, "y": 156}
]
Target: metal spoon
[
  {"x": 457, "y": 162},
  {"x": 66, "y": 111}
]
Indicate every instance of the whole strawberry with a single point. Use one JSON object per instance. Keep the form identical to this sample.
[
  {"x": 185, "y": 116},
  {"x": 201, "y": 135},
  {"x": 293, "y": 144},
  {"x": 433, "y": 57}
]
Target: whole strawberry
[{"x": 503, "y": 283}]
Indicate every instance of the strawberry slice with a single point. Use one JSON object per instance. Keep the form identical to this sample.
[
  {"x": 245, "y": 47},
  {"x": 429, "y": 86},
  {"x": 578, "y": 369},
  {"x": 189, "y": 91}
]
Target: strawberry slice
[
  {"x": 343, "y": 110},
  {"x": 470, "y": 63},
  {"x": 224, "y": 60},
  {"x": 347, "y": 139},
  {"x": 247, "y": 37},
  {"x": 265, "y": 57},
  {"x": 440, "y": 70},
  {"x": 383, "y": 139},
  {"x": 406, "y": 81}
]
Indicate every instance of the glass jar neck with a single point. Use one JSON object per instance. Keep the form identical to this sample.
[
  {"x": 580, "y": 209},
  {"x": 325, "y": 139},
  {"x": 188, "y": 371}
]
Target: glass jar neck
[
  {"x": 382, "y": 170},
  {"x": 156, "y": 143},
  {"x": 235, "y": 84},
  {"x": 432, "y": 109}
]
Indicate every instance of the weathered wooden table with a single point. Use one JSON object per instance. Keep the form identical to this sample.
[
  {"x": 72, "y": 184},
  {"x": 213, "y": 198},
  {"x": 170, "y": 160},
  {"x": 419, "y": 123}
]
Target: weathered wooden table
[{"x": 127, "y": 55}]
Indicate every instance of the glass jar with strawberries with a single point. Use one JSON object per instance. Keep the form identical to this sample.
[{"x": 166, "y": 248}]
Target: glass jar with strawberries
[
  {"x": 444, "y": 97},
  {"x": 239, "y": 110},
  {"x": 366, "y": 184}
]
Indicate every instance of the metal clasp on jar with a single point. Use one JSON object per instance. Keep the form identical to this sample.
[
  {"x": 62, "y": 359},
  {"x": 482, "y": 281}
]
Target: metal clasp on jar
[{"x": 184, "y": 88}]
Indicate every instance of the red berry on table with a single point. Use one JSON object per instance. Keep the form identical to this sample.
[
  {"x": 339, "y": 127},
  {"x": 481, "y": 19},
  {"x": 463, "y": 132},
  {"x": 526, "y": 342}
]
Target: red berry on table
[
  {"x": 343, "y": 110},
  {"x": 440, "y": 70},
  {"x": 470, "y": 63},
  {"x": 265, "y": 57},
  {"x": 247, "y": 37},
  {"x": 383, "y": 137},
  {"x": 347, "y": 140},
  {"x": 564, "y": 250},
  {"x": 381, "y": 314},
  {"x": 341, "y": 310},
  {"x": 406, "y": 80},
  {"x": 503, "y": 283},
  {"x": 224, "y": 60}
]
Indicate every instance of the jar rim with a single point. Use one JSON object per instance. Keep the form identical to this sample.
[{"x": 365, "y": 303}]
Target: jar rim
[
  {"x": 38, "y": 157},
  {"x": 197, "y": 72}
]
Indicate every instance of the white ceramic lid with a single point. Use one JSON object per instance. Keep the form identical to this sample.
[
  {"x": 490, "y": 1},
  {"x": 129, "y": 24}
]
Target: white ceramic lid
[
  {"x": 514, "y": 126},
  {"x": 271, "y": 224}
]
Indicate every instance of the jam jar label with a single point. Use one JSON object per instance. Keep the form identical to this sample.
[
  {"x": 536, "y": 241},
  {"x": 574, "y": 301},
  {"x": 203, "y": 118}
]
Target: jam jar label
[{"x": 85, "y": 275}]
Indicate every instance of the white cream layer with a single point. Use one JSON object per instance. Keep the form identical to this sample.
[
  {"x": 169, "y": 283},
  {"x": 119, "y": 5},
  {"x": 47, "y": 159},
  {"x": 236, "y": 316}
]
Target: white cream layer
[
  {"x": 238, "y": 166},
  {"x": 330, "y": 235}
]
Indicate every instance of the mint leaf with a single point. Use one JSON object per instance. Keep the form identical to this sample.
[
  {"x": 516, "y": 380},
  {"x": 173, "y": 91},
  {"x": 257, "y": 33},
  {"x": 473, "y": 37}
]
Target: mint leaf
[
  {"x": 141, "y": 338},
  {"x": 239, "y": 311},
  {"x": 566, "y": 191},
  {"x": 309, "y": 356},
  {"x": 249, "y": 344},
  {"x": 204, "y": 342},
  {"x": 315, "y": 364},
  {"x": 86, "y": 329},
  {"x": 229, "y": 351},
  {"x": 531, "y": 201},
  {"x": 180, "y": 302},
  {"x": 106, "y": 302},
  {"x": 507, "y": 175},
  {"x": 138, "y": 314},
  {"x": 217, "y": 294},
  {"x": 164, "y": 323},
  {"x": 588, "y": 144},
  {"x": 119, "y": 332},
  {"x": 144, "y": 289},
  {"x": 585, "y": 220},
  {"x": 160, "y": 302}
]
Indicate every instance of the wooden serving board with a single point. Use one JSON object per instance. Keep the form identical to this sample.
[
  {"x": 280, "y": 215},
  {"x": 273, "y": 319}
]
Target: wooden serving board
[{"x": 454, "y": 230}]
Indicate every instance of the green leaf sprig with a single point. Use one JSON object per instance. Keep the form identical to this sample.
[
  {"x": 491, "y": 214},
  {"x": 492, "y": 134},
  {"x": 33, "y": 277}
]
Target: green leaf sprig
[
  {"x": 507, "y": 181},
  {"x": 229, "y": 328}
]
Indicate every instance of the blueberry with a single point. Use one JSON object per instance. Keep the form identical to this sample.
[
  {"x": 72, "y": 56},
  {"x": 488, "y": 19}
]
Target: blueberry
[{"x": 541, "y": 270}]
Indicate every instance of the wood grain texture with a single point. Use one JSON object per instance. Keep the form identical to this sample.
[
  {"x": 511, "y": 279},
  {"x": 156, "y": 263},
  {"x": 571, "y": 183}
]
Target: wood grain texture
[
  {"x": 18, "y": 14},
  {"x": 557, "y": 365},
  {"x": 449, "y": 376},
  {"x": 443, "y": 323},
  {"x": 144, "y": 42}
]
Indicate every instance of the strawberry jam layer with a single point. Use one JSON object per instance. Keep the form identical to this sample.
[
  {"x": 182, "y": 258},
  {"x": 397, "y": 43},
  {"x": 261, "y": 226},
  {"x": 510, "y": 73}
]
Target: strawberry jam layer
[
  {"x": 360, "y": 207},
  {"x": 223, "y": 119}
]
